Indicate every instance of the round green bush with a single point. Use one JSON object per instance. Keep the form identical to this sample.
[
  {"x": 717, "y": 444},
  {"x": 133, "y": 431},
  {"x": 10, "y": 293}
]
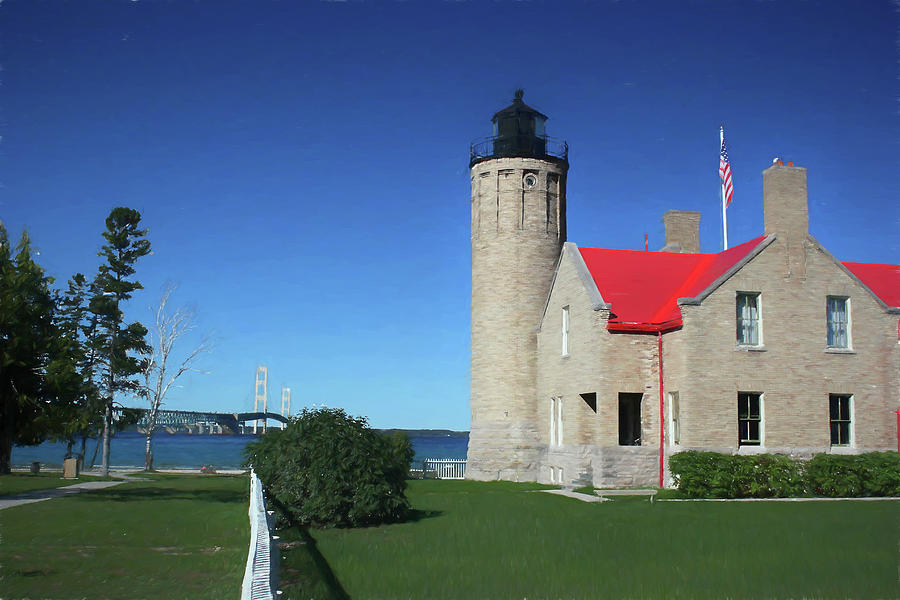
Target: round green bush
[{"x": 329, "y": 469}]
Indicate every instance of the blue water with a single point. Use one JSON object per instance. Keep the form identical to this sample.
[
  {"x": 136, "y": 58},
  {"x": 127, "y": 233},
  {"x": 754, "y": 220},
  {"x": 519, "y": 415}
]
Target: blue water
[{"x": 194, "y": 451}]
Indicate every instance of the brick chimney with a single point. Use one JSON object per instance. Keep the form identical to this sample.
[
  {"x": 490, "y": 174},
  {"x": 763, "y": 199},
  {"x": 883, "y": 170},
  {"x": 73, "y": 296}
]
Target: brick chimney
[
  {"x": 682, "y": 231},
  {"x": 786, "y": 212},
  {"x": 785, "y": 200}
]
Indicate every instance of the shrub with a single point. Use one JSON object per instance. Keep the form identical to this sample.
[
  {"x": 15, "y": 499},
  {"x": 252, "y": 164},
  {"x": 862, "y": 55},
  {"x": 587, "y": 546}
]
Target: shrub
[
  {"x": 702, "y": 474},
  {"x": 833, "y": 475},
  {"x": 881, "y": 473},
  {"x": 714, "y": 475},
  {"x": 327, "y": 468},
  {"x": 848, "y": 476},
  {"x": 772, "y": 476}
]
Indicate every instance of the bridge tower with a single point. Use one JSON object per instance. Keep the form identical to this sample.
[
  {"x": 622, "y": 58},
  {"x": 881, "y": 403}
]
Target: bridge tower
[
  {"x": 285, "y": 404},
  {"x": 518, "y": 228},
  {"x": 262, "y": 377}
]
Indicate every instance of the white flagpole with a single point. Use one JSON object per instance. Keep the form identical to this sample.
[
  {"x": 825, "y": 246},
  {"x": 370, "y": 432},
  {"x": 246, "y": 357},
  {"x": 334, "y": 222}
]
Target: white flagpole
[{"x": 724, "y": 217}]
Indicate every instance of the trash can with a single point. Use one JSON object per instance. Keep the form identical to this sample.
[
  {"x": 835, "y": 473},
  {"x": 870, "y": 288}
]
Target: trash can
[
  {"x": 36, "y": 467},
  {"x": 70, "y": 468}
]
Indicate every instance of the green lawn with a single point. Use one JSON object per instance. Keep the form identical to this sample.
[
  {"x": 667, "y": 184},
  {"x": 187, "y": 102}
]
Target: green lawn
[
  {"x": 496, "y": 540},
  {"x": 17, "y": 483},
  {"x": 177, "y": 536},
  {"x": 181, "y": 536}
]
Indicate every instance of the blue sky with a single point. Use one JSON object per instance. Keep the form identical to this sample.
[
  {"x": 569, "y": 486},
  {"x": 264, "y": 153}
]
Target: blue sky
[{"x": 303, "y": 166}]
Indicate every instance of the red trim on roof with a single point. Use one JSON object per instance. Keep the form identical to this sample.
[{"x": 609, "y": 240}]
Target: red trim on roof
[
  {"x": 644, "y": 287},
  {"x": 883, "y": 280}
]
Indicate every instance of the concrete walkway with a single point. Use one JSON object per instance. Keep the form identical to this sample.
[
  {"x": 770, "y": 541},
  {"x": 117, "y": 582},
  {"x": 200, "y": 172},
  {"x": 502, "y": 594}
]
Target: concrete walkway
[
  {"x": 576, "y": 495},
  {"x": 69, "y": 490},
  {"x": 39, "y": 495}
]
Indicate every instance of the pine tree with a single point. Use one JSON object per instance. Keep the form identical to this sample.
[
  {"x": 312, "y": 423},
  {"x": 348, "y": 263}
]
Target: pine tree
[
  {"x": 72, "y": 373},
  {"x": 118, "y": 345},
  {"x": 27, "y": 343}
]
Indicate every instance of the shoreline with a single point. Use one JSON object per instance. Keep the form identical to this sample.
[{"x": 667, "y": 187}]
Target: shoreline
[{"x": 118, "y": 470}]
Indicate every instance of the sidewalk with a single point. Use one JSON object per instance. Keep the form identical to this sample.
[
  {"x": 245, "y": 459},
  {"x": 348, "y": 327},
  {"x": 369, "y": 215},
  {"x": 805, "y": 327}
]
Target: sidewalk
[
  {"x": 573, "y": 494},
  {"x": 39, "y": 495},
  {"x": 69, "y": 490}
]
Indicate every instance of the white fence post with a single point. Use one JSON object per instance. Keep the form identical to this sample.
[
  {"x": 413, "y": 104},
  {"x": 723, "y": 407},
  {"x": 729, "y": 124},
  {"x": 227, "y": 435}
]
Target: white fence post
[{"x": 257, "y": 583}]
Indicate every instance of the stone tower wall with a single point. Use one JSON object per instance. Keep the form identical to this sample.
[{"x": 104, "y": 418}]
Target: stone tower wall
[{"x": 517, "y": 235}]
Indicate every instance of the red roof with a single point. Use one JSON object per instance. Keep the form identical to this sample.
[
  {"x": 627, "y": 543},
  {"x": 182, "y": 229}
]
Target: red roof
[
  {"x": 643, "y": 287},
  {"x": 883, "y": 280}
]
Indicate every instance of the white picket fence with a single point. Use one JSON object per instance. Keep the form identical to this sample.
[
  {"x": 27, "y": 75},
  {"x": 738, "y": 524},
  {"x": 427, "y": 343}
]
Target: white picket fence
[
  {"x": 258, "y": 573},
  {"x": 446, "y": 468}
]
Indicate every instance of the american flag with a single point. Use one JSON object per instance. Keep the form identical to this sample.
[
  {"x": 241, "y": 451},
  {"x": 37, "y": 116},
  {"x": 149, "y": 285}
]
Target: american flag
[{"x": 725, "y": 173}]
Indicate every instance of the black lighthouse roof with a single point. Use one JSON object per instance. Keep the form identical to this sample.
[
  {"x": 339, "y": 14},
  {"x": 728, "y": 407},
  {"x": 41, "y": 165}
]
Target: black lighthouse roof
[
  {"x": 518, "y": 133},
  {"x": 518, "y": 109}
]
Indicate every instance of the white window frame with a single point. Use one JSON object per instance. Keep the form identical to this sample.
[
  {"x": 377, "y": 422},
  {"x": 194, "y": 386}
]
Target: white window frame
[
  {"x": 674, "y": 419},
  {"x": 850, "y": 422},
  {"x": 848, "y": 325},
  {"x": 762, "y": 421},
  {"x": 565, "y": 331},
  {"x": 556, "y": 475},
  {"x": 758, "y": 323},
  {"x": 556, "y": 425}
]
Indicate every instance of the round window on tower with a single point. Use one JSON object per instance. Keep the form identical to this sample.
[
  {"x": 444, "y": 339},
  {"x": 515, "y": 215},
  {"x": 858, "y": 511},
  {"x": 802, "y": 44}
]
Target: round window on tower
[{"x": 530, "y": 181}]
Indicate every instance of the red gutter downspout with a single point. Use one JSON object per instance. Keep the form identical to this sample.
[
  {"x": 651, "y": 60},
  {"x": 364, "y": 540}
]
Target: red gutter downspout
[
  {"x": 898, "y": 429},
  {"x": 662, "y": 415}
]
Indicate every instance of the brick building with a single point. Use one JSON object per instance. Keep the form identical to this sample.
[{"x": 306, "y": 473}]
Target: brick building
[{"x": 771, "y": 346}]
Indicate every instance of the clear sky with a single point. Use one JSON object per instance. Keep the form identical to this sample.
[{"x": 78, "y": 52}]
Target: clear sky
[{"x": 303, "y": 166}]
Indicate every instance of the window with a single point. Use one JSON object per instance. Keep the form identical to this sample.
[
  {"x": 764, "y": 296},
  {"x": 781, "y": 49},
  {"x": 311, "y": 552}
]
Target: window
[
  {"x": 749, "y": 419},
  {"x": 630, "y": 419},
  {"x": 748, "y": 321},
  {"x": 556, "y": 431},
  {"x": 591, "y": 400},
  {"x": 674, "y": 419},
  {"x": 837, "y": 311},
  {"x": 565, "y": 331},
  {"x": 839, "y": 406},
  {"x": 556, "y": 475}
]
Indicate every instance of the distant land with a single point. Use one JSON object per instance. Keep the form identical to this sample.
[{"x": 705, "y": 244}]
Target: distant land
[{"x": 428, "y": 432}]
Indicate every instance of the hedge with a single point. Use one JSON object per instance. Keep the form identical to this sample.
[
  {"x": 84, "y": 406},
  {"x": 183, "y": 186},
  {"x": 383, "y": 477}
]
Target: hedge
[{"x": 714, "y": 475}]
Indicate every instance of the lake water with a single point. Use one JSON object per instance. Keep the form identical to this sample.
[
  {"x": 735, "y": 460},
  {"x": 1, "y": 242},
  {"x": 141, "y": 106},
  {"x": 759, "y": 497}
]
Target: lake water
[{"x": 193, "y": 451}]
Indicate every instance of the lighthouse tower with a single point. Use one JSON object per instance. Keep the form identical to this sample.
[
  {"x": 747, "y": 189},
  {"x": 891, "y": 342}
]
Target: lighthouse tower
[{"x": 518, "y": 229}]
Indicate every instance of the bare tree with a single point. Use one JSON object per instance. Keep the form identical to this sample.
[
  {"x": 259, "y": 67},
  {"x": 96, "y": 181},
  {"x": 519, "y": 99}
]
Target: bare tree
[{"x": 159, "y": 373}]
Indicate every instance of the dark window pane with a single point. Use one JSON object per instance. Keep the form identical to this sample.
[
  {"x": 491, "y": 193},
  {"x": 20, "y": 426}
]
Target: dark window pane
[
  {"x": 754, "y": 407},
  {"x": 754, "y": 431},
  {"x": 845, "y": 407}
]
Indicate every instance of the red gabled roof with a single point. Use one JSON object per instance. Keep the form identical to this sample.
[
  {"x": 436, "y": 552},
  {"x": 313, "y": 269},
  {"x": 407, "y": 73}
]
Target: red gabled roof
[
  {"x": 643, "y": 287},
  {"x": 883, "y": 280}
]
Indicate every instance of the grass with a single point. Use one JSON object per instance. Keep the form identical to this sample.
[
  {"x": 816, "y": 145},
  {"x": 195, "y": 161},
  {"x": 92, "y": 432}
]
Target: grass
[
  {"x": 17, "y": 483},
  {"x": 497, "y": 540},
  {"x": 304, "y": 574},
  {"x": 176, "y": 536}
]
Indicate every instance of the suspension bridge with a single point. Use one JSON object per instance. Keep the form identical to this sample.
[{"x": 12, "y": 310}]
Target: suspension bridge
[
  {"x": 203, "y": 422},
  {"x": 219, "y": 423}
]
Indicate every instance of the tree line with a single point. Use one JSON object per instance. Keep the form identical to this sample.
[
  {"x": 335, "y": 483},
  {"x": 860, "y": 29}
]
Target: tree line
[{"x": 66, "y": 355}]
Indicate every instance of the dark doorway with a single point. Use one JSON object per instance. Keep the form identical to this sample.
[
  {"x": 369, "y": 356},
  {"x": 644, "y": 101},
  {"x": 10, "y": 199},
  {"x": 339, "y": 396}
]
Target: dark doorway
[{"x": 630, "y": 419}]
